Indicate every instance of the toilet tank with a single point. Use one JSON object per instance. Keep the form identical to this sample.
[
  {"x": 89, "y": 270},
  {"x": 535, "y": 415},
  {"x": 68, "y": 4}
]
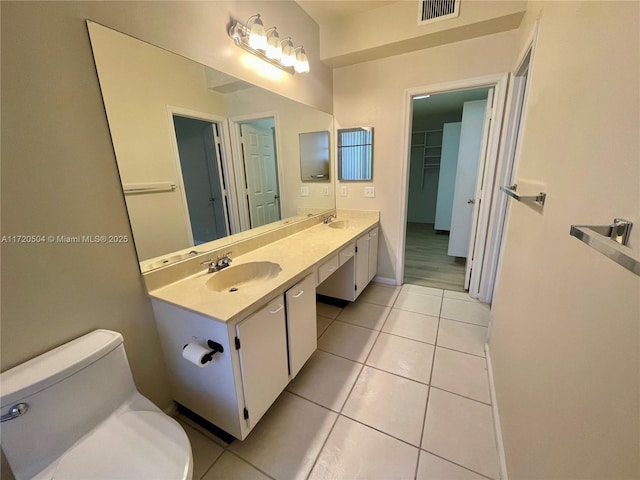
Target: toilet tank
[{"x": 69, "y": 391}]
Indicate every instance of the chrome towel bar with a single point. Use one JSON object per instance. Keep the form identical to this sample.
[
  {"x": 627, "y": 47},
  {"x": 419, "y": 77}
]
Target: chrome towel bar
[
  {"x": 537, "y": 199},
  {"x": 134, "y": 188},
  {"x": 610, "y": 240}
]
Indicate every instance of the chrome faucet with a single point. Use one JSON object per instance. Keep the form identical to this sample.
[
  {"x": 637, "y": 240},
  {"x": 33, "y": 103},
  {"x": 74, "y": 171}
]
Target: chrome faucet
[
  {"x": 219, "y": 263},
  {"x": 327, "y": 220}
]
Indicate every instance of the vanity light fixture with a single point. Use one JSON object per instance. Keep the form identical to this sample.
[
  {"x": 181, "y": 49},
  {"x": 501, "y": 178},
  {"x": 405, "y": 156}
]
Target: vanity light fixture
[{"x": 267, "y": 45}]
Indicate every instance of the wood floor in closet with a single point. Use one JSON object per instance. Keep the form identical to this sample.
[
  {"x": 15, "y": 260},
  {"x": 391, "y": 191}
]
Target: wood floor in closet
[{"x": 426, "y": 261}]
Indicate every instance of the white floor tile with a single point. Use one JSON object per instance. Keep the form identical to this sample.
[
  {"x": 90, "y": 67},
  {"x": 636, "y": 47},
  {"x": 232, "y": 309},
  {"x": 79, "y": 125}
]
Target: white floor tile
[
  {"x": 461, "y": 430},
  {"x": 326, "y": 379},
  {"x": 460, "y": 296},
  {"x": 435, "y": 468},
  {"x": 388, "y": 403},
  {"x": 412, "y": 325},
  {"x": 287, "y": 440},
  {"x": 205, "y": 451},
  {"x": 461, "y": 373},
  {"x": 322, "y": 323},
  {"x": 326, "y": 310},
  {"x": 461, "y": 336},
  {"x": 402, "y": 356},
  {"x": 357, "y": 452},
  {"x": 230, "y": 467},
  {"x": 365, "y": 314},
  {"x": 409, "y": 287},
  {"x": 346, "y": 340},
  {"x": 379, "y": 294},
  {"x": 419, "y": 303},
  {"x": 463, "y": 311}
]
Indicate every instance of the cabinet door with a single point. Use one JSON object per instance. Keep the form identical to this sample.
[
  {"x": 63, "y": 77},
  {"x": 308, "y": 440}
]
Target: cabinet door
[
  {"x": 301, "y": 323},
  {"x": 263, "y": 358},
  {"x": 362, "y": 263},
  {"x": 373, "y": 254}
]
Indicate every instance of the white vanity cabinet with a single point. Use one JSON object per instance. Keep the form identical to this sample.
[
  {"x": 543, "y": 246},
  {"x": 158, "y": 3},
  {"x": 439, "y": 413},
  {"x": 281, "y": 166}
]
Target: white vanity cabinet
[
  {"x": 302, "y": 332},
  {"x": 358, "y": 265},
  {"x": 262, "y": 353},
  {"x": 261, "y": 342}
]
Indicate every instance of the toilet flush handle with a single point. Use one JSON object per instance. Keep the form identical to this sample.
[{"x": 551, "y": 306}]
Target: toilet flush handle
[{"x": 15, "y": 412}]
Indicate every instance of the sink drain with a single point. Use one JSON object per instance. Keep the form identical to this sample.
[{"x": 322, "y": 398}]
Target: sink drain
[{"x": 234, "y": 289}]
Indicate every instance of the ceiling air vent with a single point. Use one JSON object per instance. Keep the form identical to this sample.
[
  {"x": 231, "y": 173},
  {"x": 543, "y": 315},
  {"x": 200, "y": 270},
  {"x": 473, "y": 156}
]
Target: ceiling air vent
[{"x": 435, "y": 10}]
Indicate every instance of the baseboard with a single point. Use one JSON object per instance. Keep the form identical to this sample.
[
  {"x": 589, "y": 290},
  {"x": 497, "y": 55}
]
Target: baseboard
[
  {"x": 496, "y": 418},
  {"x": 384, "y": 280}
]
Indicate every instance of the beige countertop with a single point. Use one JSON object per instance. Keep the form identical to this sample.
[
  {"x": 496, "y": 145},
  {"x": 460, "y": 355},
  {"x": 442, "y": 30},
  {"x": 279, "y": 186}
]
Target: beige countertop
[{"x": 298, "y": 255}]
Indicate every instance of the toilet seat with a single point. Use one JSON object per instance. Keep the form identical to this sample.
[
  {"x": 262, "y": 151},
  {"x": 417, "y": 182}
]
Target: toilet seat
[{"x": 135, "y": 445}]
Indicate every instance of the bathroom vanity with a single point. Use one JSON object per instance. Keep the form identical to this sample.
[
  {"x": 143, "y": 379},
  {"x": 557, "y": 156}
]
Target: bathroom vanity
[{"x": 260, "y": 312}]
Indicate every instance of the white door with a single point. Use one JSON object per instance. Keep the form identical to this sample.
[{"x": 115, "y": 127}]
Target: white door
[
  {"x": 471, "y": 134},
  {"x": 261, "y": 175},
  {"x": 478, "y": 190},
  {"x": 263, "y": 358},
  {"x": 302, "y": 332}
]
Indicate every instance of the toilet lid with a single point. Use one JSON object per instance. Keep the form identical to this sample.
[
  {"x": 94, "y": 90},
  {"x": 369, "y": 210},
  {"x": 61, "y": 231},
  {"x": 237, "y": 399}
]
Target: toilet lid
[{"x": 136, "y": 445}]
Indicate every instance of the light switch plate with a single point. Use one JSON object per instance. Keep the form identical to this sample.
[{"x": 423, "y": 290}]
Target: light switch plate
[
  {"x": 369, "y": 192},
  {"x": 325, "y": 191},
  {"x": 343, "y": 191},
  {"x": 304, "y": 191}
]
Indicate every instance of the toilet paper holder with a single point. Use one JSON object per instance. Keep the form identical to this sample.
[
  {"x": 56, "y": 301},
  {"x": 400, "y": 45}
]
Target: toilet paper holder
[{"x": 215, "y": 348}]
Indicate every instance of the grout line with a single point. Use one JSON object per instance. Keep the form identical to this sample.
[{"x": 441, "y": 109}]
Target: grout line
[
  {"x": 324, "y": 443},
  {"x": 465, "y": 321},
  {"x": 460, "y": 395},
  {"x": 457, "y": 464},
  {"x": 460, "y": 351},
  {"x": 381, "y": 431},
  {"x": 248, "y": 463},
  {"x": 426, "y": 407}
]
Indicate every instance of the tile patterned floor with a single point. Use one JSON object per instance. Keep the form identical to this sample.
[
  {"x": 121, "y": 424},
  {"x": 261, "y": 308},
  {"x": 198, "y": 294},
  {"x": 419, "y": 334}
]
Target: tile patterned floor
[{"x": 397, "y": 389}]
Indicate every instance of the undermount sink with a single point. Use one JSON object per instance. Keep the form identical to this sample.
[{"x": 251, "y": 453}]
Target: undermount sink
[
  {"x": 339, "y": 224},
  {"x": 245, "y": 275}
]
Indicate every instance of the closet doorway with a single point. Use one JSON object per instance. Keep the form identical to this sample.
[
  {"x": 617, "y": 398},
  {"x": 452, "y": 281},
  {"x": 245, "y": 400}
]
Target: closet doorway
[{"x": 448, "y": 140}]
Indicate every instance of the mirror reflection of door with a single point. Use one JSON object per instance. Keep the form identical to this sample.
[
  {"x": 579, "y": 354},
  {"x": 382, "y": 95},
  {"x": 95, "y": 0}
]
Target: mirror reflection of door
[
  {"x": 261, "y": 173},
  {"x": 199, "y": 163}
]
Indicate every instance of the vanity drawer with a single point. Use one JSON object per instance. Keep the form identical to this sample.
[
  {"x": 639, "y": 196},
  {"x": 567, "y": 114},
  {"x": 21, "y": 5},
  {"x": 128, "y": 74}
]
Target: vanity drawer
[
  {"x": 347, "y": 253},
  {"x": 327, "y": 268}
]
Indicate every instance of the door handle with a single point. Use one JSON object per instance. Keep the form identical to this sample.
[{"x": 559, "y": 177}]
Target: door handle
[
  {"x": 471, "y": 201},
  {"x": 280, "y": 307},
  {"x": 299, "y": 294}
]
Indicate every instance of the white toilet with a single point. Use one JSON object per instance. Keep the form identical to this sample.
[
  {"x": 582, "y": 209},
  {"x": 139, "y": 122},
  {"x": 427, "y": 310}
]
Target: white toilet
[{"x": 75, "y": 413}]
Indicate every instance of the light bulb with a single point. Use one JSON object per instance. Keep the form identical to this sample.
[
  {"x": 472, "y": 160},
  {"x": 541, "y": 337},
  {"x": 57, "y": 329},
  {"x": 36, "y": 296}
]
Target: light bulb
[
  {"x": 288, "y": 53},
  {"x": 274, "y": 49},
  {"x": 257, "y": 37},
  {"x": 302, "y": 63}
]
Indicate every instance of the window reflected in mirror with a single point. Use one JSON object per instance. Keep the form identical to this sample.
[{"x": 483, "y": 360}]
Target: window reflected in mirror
[
  {"x": 355, "y": 154},
  {"x": 314, "y": 156}
]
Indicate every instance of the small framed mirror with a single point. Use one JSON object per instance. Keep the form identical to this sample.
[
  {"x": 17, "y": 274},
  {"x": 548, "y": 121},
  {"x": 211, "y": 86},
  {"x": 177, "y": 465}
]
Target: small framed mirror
[
  {"x": 314, "y": 157},
  {"x": 355, "y": 154}
]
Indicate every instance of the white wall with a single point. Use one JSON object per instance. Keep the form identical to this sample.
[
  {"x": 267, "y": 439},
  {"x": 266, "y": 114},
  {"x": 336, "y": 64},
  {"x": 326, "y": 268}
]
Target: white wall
[
  {"x": 566, "y": 328},
  {"x": 372, "y": 94},
  {"x": 59, "y": 174}
]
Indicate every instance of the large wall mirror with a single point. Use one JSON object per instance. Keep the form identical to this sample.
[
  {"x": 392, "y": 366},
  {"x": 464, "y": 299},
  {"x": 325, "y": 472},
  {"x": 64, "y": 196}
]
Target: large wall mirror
[{"x": 203, "y": 157}]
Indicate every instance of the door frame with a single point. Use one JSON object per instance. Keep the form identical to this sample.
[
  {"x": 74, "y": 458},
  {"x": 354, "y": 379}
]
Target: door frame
[
  {"x": 223, "y": 160},
  {"x": 499, "y": 82},
  {"x": 238, "y": 164},
  {"x": 510, "y": 146}
]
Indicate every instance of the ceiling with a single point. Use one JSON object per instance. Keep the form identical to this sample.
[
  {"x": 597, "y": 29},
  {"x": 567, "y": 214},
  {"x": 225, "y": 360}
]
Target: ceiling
[
  {"x": 449, "y": 102},
  {"x": 323, "y": 11}
]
